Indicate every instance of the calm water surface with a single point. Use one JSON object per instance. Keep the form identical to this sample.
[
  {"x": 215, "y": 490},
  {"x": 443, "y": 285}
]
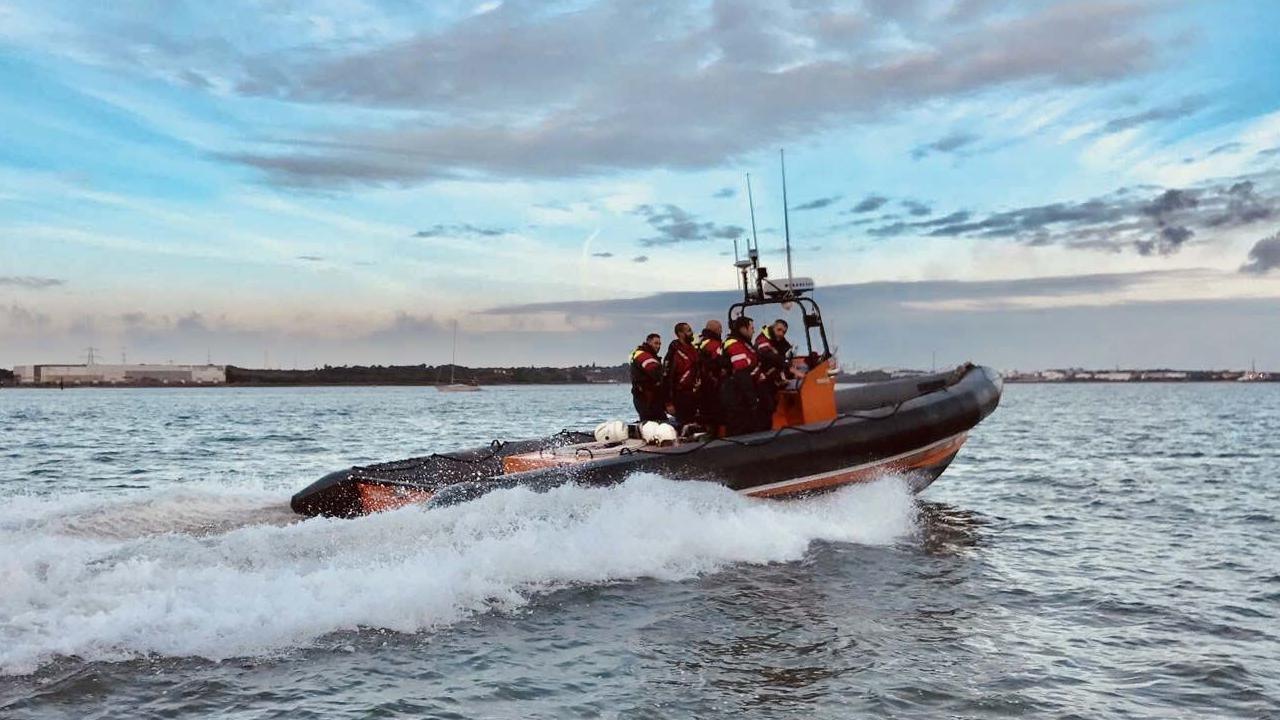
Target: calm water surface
[{"x": 1095, "y": 551}]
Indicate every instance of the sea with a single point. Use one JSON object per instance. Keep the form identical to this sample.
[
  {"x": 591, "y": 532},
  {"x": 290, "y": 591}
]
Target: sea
[{"x": 1095, "y": 551}]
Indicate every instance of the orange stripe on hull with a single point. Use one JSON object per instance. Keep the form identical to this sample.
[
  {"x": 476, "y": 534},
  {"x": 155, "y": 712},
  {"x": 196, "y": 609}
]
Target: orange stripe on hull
[
  {"x": 377, "y": 498},
  {"x": 915, "y": 460}
]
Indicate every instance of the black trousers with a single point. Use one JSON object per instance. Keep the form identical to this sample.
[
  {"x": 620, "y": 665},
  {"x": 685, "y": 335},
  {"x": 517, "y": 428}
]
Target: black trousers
[
  {"x": 767, "y": 395},
  {"x": 739, "y": 404},
  {"x": 685, "y": 405},
  {"x": 650, "y": 407}
]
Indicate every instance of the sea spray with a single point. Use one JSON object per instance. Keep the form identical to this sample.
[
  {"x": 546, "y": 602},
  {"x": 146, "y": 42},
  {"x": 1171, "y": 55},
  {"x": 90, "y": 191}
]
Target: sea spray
[{"x": 109, "y": 595}]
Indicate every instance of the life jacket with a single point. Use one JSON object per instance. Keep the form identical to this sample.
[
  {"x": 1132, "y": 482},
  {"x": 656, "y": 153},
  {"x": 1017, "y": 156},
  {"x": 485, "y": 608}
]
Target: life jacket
[
  {"x": 682, "y": 367},
  {"x": 742, "y": 357},
  {"x": 646, "y": 371},
  {"x": 773, "y": 356},
  {"x": 711, "y": 356}
]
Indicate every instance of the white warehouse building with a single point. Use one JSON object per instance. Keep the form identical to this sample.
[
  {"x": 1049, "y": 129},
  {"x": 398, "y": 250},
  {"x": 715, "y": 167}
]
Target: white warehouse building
[{"x": 122, "y": 374}]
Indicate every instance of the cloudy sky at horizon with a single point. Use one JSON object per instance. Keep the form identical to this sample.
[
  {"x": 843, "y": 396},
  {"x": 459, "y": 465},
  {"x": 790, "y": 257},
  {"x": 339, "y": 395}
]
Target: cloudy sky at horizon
[{"x": 1023, "y": 184}]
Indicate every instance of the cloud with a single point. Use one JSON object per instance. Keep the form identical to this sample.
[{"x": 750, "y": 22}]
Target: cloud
[
  {"x": 460, "y": 230},
  {"x": 30, "y": 282},
  {"x": 916, "y": 208},
  {"x": 724, "y": 193},
  {"x": 1264, "y": 256},
  {"x": 602, "y": 254},
  {"x": 516, "y": 93},
  {"x": 1158, "y": 222},
  {"x": 816, "y": 204},
  {"x": 1226, "y": 148},
  {"x": 23, "y": 319},
  {"x": 1183, "y": 108},
  {"x": 640, "y": 259},
  {"x": 947, "y": 144},
  {"x": 1089, "y": 320},
  {"x": 1243, "y": 206},
  {"x": 869, "y": 203},
  {"x": 311, "y": 258},
  {"x": 675, "y": 225}
]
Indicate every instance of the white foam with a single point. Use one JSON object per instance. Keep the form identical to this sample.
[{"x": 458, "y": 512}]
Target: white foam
[{"x": 68, "y": 590}]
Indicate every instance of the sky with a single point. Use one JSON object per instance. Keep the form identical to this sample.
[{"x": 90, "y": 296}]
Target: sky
[{"x": 293, "y": 184}]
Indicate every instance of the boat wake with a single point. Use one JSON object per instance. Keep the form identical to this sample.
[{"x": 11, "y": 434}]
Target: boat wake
[{"x": 231, "y": 574}]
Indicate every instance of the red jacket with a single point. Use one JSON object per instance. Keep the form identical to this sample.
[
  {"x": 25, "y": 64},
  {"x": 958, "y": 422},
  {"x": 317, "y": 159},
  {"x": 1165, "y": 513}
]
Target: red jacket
[
  {"x": 742, "y": 357},
  {"x": 646, "y": 372},
  {"x": 711, "y": 357},
  {"x": 683, "y": 371},
  {"x": 773, "y": 356}
]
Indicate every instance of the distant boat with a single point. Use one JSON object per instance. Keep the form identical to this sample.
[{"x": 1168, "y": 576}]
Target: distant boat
[
  {"x": 1253, "y": 375},
  {"x": 454, "y": 386}
]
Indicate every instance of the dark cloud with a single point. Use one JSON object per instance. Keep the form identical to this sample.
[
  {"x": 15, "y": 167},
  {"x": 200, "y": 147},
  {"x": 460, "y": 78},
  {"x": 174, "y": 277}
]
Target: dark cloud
[
  {"x": 1269, "y": 152},
  {"x": 602, "y": 254},
  {"x": 30, "y": 282},
  {"x": 1151, "y": 221},
  {"x": 1184, "y": 107},
  {"x": 869, "y": 203},
  {"x": 1264, "y": 256},
  {"x": 1243, "y": 206},
  {"x": 517, "y": 92},
  {"x": 311, "y": 258},
  {"x": 947, "y": 144},
  {"x": 460, "y": 230},
  {"x": 916, "y": 208},
  {"x": 675, "y": 225},
  {"x": 816, "y": 204},
  {"x": 640, "y": 259},
  {"x": 724, "y": 193},
  {"x": 1231, "y": 147}
]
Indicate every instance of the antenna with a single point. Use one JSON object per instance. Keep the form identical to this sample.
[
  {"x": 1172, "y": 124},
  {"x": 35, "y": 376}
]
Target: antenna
[
  {"x": 786, "y": 222},
  {"x": 752, "y": 204}
]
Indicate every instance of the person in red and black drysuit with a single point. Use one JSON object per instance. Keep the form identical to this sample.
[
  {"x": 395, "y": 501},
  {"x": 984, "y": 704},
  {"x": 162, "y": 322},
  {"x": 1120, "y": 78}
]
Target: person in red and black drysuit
[
  {"x": 740, "y": 398},
  {"x": 711, "y": 362},
  {"x": 683, "y": 375},
  {"x": 775, "y": 364},
  {"x": 646, "y": 380}
]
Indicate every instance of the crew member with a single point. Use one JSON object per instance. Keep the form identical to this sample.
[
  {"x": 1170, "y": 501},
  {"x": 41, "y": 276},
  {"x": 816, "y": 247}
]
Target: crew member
[
  {"x": 774, "y": 352},
  {"x": 683, "y": 375},
  {"x": 646, "y": 380},
  {"x": 711, "y": 362},
  {"x": 739, "y": 397}
]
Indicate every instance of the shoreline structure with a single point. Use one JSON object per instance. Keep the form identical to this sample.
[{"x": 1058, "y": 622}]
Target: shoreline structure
[{"x": 426, "y": 375}]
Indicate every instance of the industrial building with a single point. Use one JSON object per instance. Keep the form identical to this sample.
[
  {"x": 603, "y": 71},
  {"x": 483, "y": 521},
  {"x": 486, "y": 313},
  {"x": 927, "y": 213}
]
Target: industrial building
[{"x": 121, "y": 374}]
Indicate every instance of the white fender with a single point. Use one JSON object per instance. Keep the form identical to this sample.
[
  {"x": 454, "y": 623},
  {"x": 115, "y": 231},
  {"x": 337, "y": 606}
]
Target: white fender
[{"x": 611, "y": 431}]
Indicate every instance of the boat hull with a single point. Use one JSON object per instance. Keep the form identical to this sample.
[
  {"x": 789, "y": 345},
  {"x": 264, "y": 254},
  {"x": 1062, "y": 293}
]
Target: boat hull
[{"x": 913, "y": 428}]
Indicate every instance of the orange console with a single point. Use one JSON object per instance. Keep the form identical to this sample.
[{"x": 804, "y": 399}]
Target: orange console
[{"x": 810, "y": 398}]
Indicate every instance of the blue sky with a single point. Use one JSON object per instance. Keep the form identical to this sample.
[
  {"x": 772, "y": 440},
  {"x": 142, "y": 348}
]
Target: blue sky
[{"x": 332, "y": 182}]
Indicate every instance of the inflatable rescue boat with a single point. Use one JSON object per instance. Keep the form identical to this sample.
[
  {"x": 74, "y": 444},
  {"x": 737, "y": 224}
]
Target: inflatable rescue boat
[{"x": 821, "y": 438}]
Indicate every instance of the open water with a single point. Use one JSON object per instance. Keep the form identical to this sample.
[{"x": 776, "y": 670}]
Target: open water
[{"x": 1095, "y": 551}]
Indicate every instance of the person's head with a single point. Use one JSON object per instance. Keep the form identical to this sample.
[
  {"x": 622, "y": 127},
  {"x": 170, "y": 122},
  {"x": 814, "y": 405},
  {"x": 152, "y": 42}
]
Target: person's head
[
  {"x": 744, "y": 327},
  {"x": 684, "y": 331},
  {"x": 714, "y": 327},
  {"x": 653, "y": 341},
  {"x": 779, "y": 328}
]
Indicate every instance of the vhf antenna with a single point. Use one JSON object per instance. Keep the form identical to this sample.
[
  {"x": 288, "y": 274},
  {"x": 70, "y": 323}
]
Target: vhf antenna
[
  {"x": 786, "y": 223},
  {"x": 753, "y": 248}
]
